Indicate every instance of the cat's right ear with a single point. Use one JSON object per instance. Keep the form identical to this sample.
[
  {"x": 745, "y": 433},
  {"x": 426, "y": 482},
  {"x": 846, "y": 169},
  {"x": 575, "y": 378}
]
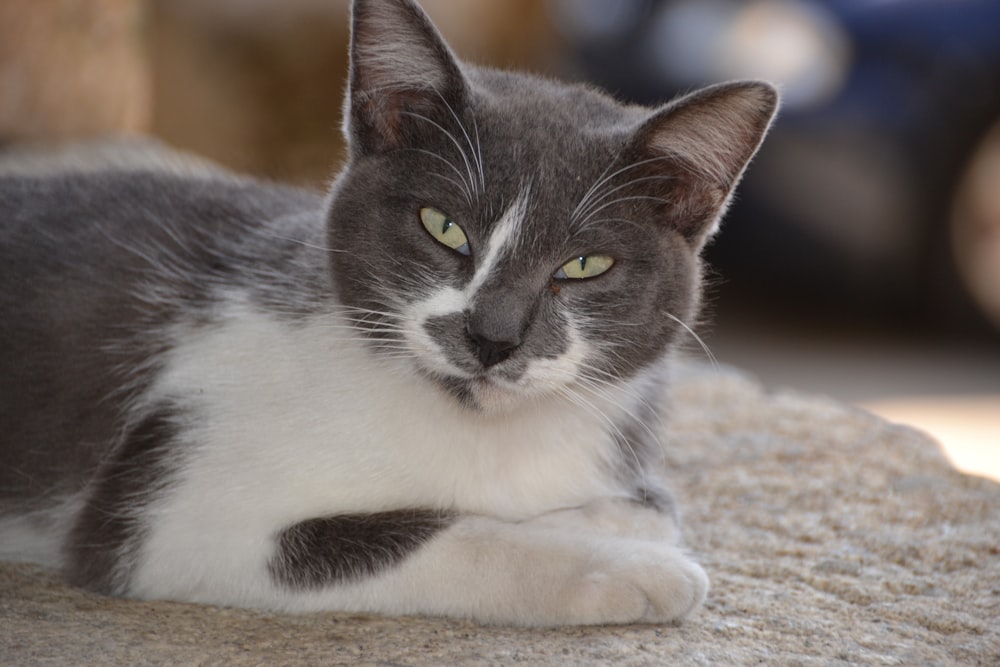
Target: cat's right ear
[
  {"x": 401, "y": 70},
  {"x": 700, "y": 144}
]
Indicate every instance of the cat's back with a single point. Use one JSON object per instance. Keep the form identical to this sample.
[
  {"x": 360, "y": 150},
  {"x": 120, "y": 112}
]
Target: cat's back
[
  {"x": 79, "y": 220},
  {"x": 89, "y": 236},
  {"x": 96, "y": 265},
  {"x": 80, "y": 249}
]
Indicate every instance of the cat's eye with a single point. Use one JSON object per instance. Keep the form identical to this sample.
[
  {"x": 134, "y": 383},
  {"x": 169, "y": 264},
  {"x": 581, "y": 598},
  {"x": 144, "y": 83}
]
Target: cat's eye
[
  {"x": 445, "y": 230},
  {"x": 586, "y": 266}
]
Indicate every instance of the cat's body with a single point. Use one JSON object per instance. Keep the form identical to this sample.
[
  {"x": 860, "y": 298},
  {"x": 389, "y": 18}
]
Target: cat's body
[{"x": 224, "y": 391}]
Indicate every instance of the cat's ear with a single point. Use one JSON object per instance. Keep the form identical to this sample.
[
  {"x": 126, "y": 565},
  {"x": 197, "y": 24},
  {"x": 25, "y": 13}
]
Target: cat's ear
[
  {"x": 401, "y": 69},
  {"x": 700, "y": 145}
]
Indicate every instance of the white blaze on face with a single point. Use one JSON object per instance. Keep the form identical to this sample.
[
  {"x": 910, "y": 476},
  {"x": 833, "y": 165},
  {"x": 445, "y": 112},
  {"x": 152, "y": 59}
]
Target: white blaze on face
[{"x": 503, "y": 239}]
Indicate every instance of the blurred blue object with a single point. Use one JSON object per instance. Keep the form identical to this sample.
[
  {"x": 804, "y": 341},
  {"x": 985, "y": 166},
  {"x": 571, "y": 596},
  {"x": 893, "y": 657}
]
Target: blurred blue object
[{"x": 854, "y": 200}]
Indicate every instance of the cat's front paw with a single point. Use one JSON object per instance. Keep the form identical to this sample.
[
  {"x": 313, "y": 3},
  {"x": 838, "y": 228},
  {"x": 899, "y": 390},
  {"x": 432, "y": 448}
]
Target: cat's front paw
[{"x": 644, "y": 585}]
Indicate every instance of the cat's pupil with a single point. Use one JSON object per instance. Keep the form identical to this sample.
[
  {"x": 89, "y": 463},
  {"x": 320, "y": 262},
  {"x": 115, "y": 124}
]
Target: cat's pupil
[{"x": 446, "y": 225}]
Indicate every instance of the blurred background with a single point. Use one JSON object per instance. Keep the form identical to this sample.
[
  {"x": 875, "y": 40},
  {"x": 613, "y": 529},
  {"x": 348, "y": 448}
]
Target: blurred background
[{"x": 861, "y": 259}]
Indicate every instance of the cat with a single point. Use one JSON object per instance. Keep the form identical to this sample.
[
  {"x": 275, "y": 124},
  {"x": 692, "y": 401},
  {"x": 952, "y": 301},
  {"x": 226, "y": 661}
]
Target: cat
[{"x": 432, "y": 390}]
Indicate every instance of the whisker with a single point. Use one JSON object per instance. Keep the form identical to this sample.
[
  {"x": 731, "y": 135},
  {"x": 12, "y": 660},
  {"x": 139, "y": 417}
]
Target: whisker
[
  {"x": 479, "y": 153},
  {"x": 607, "y": 193},
  {"x": 461, "y": 151},
  {"x": 616, "y": 432},
  {"x": 477, "y": 157},
  {"x": 365, "y": 311},
  {"x": 641, "y": 402},
  {"x": 390, "y": 334},
  {"x": 281, "y": 237},
  {"x": 604, "y": 179},
  {"x": 609, "y": 386},
  {"x": 597, "y": 184},
  {"x": 583, "y": 223},
  {"x": 458, "y": 185},
  {"x": 704, "y": 346},
  {"x": 600, "y": 221},
  {"x": 461, "y": 183},
  {"x": 374, "y": 319}
]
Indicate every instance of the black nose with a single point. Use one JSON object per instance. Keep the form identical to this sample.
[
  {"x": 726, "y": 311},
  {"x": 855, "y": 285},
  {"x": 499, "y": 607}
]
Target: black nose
[{"x": 491, "y": 352}]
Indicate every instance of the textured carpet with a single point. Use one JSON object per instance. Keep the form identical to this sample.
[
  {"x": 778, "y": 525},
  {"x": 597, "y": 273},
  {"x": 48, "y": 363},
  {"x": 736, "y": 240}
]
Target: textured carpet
[{"x": 831, "y": 538}]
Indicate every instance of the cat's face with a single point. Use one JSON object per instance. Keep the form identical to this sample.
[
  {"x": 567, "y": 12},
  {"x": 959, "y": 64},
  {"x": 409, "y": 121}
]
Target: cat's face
[{"x": 511, "y": 237}]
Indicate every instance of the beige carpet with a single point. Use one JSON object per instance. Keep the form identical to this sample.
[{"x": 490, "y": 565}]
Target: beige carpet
[{"x": 831, "y": 538}]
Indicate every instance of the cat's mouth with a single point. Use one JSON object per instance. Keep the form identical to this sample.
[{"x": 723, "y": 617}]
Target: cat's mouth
[{"x": 442, "y": 357}]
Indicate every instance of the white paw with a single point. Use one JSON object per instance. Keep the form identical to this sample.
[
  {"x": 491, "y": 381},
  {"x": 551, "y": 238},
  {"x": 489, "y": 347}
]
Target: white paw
[{"x": 641, "y": 583}]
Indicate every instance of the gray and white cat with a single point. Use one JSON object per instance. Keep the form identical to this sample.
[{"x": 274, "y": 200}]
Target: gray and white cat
[{"x": 432, "y": 391}]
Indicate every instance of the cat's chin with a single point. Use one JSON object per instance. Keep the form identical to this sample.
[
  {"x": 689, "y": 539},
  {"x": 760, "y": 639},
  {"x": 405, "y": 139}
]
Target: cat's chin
[
  {"x": 494, "y": 398},
  {"x": 483, "y": 394}
]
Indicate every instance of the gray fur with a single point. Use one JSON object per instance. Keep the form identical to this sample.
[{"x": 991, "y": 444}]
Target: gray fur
[{"x": 346, "y": 548}]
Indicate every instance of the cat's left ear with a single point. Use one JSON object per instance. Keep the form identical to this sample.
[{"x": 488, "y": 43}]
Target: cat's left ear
[
  {"x": 700, "y": 145},
  {"x": 401, "y": 70}
]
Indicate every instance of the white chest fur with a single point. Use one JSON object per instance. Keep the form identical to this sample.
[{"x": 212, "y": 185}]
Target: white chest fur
[
  {"x": 298, "y": 421},
  {"x": 295, "y": 421}
]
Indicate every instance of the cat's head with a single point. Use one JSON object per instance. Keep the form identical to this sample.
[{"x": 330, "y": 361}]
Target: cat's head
[{"x": 512, "y": 236}]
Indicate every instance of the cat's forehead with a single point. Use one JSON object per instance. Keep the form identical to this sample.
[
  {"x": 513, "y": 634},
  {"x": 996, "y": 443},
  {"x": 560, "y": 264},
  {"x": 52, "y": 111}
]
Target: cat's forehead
[
  {"x": 546, "y": 141},
  {"x": 550, "y": 122}
]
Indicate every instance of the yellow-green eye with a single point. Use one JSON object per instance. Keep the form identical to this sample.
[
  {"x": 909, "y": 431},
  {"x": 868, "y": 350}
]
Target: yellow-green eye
[
  {"x": 584, "y": 267},
  {"x": 445, "y": 230}
]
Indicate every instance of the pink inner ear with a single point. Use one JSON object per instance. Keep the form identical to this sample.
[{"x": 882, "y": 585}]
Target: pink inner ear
[
  {"x": 705, "y": 141},
  {"x": 384, "y": 114},
  {"x": 716, "y": 130}
]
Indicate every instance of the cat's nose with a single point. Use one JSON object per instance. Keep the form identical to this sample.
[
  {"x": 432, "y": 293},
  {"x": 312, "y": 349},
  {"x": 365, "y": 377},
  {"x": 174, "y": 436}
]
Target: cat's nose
[{"x": 491, "y": 352}]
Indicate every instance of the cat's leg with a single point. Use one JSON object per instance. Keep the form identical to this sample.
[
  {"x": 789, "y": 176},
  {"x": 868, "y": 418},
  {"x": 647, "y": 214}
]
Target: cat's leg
[
  {"x": 562, "y": 568},
  {"x": 103, "y": 543}
]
